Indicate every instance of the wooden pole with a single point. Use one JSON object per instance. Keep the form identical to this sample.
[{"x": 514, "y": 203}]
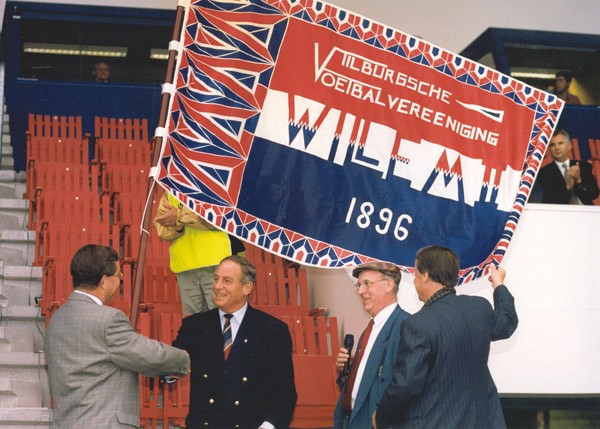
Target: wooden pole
[{"x": 157, "y": 144}]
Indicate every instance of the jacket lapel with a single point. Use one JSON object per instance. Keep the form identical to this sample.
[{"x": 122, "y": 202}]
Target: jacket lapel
[{"x": 373, "y": 362}]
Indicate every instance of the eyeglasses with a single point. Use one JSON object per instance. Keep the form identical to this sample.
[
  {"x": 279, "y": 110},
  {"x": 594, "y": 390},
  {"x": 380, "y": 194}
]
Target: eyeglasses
[{"x": 367, "y": 284}]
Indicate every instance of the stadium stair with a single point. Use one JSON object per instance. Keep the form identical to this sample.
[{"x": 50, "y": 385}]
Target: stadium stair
[{"x": 24, "y": 388}]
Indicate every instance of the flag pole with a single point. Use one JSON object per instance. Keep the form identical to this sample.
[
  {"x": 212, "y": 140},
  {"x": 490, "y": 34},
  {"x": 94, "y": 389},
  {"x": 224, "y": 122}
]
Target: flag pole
[{"x": 156, "y": 150}]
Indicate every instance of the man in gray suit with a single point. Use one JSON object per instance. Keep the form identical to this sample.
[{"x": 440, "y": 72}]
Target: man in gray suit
[
  {"x": 441, "y": 379},
  {"x": 377, "y": 287},
  {"x": 93, "y": 353}
]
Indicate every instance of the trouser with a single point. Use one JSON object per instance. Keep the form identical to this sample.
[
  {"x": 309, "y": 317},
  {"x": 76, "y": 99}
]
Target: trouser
[{"x": 195, "y": 289}]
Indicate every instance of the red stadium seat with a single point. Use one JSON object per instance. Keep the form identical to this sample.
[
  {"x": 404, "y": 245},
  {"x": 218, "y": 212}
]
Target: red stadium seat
[
  {"x": 120, "y": 129},
  {"x": 61, "y": 243},
  {"x": 58, "y": 177},
  {"x": 54, "y": 126}
]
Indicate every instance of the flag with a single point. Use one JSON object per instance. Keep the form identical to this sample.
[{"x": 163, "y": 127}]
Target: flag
[{"x": 333, "y": 140}]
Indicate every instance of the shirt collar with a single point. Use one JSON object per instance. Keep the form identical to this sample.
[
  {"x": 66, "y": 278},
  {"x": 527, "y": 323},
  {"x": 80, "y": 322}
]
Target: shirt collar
[
  {"x": 89, "y": 295},
  {"x": 237, "y": 315},
  {"x": 381, "y": 317}
]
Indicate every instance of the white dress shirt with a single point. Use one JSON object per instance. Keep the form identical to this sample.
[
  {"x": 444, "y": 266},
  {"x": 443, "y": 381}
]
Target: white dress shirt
[
  {"x": 378, "y": 322},
  {"x": 95, "y": 298}
]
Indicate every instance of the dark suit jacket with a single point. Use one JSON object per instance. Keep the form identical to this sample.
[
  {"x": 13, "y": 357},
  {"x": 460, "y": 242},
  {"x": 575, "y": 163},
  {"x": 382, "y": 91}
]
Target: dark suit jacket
[
  {"x": 377, "y": 375},
  {"x": 551, "y": 183},
  {"x": 256, "y": 384},
  {"x": 442, "y": 379}
]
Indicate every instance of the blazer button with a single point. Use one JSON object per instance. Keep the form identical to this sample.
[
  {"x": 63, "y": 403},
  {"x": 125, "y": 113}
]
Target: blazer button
[
  {"x": 205, "y": 423},
  {"x": 211, "y": 401},
  {"x": 237, "y": 403},
  {"x": 205, "y": 375},
  {"x": 245, "y": 379}
]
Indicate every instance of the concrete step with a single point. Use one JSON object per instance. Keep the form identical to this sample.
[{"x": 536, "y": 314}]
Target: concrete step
[
  {"x": 21, "y": 240},
  {"x": 8, "y": 221},
  {"x": 8, "y": 176},
  {"x": 27, "y": 366},
  {"x": 12, "y": 180},
  {"x": 20, "y": 393},
  {"x": 14, "y": 207},
  {"x": 27, "y": 318},
  {"x": 6, "y": 148},
  {"x": 20, "y": 284},
  {"x": 5, "y": 137},
  {"x": 8, "y": 163},
  {"x": 11, "y": 256},
  {"x": 25, "y": 418},
  {"x": 15, "y": 340}
]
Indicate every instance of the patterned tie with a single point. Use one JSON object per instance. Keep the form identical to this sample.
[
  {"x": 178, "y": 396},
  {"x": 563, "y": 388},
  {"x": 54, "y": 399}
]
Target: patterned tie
[
  {"x": 227, "y": 335},
  {"x": 347, "y": 398},
  {"x": 566, "y": 170}
]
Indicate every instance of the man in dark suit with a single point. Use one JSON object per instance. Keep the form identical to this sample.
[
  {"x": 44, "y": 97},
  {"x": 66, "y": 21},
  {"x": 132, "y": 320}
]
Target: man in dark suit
[
  {"x": 441, "y": 379},
  {"x": 378, "y": 289},
  {"x": 565, "y": 181},
  {"x": 242, "y": 374}
]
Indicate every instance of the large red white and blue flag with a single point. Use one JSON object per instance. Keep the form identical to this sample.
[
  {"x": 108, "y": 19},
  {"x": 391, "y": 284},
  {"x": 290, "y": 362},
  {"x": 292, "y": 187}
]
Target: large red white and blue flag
[{"x": 332, "y": 140}]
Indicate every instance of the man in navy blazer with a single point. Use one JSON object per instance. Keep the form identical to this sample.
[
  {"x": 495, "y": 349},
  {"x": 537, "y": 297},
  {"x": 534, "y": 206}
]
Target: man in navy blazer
[
  {"x": 441, "y": 379},
  {"x": 253, "y": 387},
  {"x": 378, "y": 288},
  {"x": 576, "y": 185}
]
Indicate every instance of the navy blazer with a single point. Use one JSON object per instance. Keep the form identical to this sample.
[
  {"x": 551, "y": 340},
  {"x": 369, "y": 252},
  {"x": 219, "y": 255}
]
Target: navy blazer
[
  {"x": 551, "y": 184},
  {"x": 254, "y": 385},
  {"x": 442, "y": 379},
  {"x": 377, "y": 375}
]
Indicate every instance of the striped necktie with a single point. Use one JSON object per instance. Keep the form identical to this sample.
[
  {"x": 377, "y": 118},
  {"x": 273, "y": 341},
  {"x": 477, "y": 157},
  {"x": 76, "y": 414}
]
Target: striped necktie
[{"x": 227, "y": 340}]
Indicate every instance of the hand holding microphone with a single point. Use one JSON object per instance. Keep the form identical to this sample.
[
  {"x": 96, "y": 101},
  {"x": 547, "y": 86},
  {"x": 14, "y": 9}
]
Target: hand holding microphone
[{"x": 343, "y": 359}]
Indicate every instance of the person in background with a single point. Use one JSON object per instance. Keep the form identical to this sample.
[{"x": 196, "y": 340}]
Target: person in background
[
  {"x": 564, "y": 181},
  {"x": 101, "y": 72},
  {"x": 374, "y": 360},
  {"x": 196, "y": 249},
  {"x": 441, "y": 378},
  {"x": 242, "y": 372},
  {"x": 562, "y": 81},
  {"x": 95, "y": 356}
]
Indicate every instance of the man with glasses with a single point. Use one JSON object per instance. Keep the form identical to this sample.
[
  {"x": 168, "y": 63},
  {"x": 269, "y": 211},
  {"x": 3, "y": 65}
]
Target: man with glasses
[
  {"x": 371, "y": 368},
  {"x": 94, "y": 355}
]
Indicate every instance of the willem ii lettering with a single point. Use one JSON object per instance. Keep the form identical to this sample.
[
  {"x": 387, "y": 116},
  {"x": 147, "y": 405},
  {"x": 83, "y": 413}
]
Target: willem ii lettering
[{"x": 332, "y": 140}]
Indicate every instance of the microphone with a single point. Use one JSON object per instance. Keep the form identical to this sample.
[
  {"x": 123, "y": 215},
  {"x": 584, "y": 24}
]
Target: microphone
[{"x": 348, "y": 344}]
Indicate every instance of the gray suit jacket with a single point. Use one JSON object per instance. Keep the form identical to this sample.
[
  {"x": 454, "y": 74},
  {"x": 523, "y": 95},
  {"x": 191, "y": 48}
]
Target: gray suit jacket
[{"x": 94, "y": 357}]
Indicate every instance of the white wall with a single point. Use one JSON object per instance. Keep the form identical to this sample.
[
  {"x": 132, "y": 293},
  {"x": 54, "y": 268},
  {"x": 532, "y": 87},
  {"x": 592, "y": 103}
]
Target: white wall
[
  {"x": 451, "y": 24},
  {"x": 553, "y": 271}
]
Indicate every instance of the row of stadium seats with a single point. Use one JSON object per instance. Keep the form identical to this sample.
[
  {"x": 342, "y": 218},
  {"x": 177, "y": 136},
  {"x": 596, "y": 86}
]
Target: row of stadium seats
[{"x": 74, "y": 200}]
